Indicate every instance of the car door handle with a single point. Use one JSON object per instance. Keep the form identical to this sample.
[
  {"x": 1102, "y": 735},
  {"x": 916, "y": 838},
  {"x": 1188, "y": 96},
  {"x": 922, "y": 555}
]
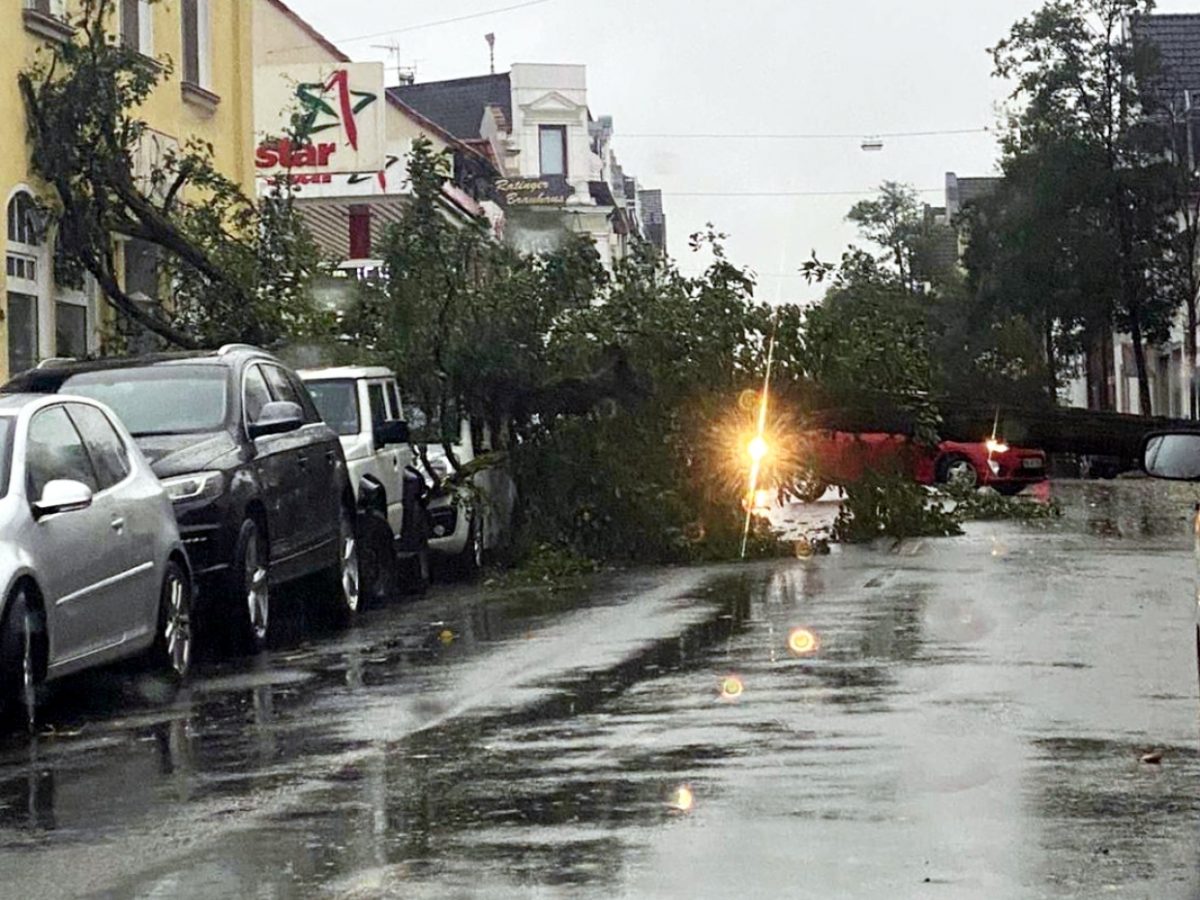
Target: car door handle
[{"x": 118, "y": 525}]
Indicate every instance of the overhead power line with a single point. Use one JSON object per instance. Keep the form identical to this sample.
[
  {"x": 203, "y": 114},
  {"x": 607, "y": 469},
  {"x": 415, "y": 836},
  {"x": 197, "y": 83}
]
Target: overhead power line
[
  {"x": 403, "y": 29},
  {"x": 748, "y": 136},
  {"x": 864, "y": 192}
]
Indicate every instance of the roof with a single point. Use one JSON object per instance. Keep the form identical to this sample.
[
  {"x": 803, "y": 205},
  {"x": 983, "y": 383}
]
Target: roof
[
  {"x": 346, "y": 373},
  {"x": 1177, "y": 38},
  {"x": 319, "y": 38},
  {"x": 50, "y": 378},
  {"x": 458, "y": 105},
  {"x": 12, "y": 404},
  {"x": 393, "y": 101}
]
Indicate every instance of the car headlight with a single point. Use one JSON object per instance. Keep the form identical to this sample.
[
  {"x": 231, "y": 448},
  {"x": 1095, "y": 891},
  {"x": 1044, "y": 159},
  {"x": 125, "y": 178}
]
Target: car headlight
[
  {"x": 202, "y": 486},
  {"x": 440, "y": 467}
]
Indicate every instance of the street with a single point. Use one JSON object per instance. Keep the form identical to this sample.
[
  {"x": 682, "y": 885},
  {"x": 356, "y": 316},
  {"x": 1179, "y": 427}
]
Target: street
[{"x": 966, "y": 718}]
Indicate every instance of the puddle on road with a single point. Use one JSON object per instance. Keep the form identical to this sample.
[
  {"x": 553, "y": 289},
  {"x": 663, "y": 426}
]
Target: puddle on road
[{"x": 1106, "y": 818}]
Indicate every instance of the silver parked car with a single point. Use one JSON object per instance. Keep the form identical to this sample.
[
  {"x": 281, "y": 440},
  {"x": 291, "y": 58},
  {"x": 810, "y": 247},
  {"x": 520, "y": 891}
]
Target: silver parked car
[{"x": 92, "y": 568}]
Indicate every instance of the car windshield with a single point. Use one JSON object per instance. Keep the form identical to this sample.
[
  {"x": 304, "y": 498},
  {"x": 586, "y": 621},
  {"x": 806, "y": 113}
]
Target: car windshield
[
  {"x": 159, "y": 400},
  {"x": 337, "y": 402}
]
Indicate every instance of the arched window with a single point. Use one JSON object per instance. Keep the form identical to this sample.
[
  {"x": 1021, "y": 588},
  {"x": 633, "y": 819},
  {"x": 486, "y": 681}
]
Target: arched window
[
  {"x": 25, "y": 265},
  {"x": 23, "y": 220}
]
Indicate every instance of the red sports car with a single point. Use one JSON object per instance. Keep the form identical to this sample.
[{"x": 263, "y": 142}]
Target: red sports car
[{"x": 839, "y": 457}]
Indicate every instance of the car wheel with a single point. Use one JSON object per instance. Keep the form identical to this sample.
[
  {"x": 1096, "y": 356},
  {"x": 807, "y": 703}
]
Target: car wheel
[
  {"x": 22, "y": 663},
  {"x": 344, "y": 577},
  {"x": 172, "y": 651},
  {"x": 958, "y": 471},
  {"x": 251, "y": 587}
]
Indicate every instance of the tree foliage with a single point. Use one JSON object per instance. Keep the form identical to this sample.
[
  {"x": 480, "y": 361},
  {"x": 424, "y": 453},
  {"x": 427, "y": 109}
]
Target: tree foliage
[
  {"x": 231, "y": 268},
  {"x": 1085, "y": 222}
]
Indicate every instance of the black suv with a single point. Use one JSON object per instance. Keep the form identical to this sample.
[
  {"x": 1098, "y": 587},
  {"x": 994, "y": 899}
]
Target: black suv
[{"x": 258, "y": 481}]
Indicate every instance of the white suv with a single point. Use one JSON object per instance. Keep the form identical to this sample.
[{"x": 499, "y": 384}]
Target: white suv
[{"x": 362, "y": 404}]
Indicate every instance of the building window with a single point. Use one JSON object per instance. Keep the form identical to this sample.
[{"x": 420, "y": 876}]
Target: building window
[
  {"x": 553, "y": 149},
  {"x": 71, "y": 329},
  {"x": 23, "y": 220},
  {"x": 22, "y": 332},
  {"x": 25, "y": 267},
  {"x": 196, "y": 43},
  {"x": 54, "y": 8},
  {"x": 136, "y": 26},
  {"x": 142, "y": 284}
]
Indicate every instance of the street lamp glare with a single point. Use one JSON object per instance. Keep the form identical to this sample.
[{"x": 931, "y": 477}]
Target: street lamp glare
[{"x": 758, "y": 449}]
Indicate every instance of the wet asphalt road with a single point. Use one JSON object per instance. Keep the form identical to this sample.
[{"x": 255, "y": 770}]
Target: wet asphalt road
[{"x": 971, "y": 725}]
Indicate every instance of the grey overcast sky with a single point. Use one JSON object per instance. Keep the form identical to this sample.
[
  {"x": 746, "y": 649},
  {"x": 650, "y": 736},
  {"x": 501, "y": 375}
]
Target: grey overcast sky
[{"x": 858, "y": 67}]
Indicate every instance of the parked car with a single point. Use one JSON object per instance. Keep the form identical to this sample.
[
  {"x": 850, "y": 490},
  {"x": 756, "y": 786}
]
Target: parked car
[
  {"x": 363, "y": 406},
  {"x": 473, "y": 518},
  {"x": 257, "y": 479},
  {"x": 1175, "y": 456},
  {"x": 991, "y": 463},
  {"x": 840, "y": 457},
  {"x": 92, "y": 566}
]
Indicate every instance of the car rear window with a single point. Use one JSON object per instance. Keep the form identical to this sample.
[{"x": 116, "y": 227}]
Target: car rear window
[
  {"x": 337, "y": 402},
  {"x": 159, "y": 400}
]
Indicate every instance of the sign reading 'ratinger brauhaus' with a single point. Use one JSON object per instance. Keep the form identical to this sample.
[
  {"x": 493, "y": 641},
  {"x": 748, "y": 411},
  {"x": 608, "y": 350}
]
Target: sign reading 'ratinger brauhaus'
[{"x": 548, "y": 190}]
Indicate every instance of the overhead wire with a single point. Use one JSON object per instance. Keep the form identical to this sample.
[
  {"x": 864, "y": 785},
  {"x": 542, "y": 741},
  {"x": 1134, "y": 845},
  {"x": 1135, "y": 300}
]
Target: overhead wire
[
  {"x": 798, "y": 136},
  {"x": 403, "y": 29}
]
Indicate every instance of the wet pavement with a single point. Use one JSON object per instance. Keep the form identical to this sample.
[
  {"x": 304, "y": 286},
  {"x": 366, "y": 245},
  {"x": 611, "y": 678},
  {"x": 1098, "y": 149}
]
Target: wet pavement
[{"x": 947, "y": 718}]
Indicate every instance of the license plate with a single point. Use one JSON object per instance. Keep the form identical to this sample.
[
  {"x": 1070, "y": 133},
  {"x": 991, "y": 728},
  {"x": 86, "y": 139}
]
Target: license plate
[{"x": 1032, "y": 463}]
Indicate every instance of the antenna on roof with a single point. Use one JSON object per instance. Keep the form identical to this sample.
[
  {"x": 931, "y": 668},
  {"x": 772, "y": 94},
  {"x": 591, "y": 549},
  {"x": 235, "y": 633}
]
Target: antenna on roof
[
  {"x": 404, "y": 74},
  {"x": 490, "y": 37}
]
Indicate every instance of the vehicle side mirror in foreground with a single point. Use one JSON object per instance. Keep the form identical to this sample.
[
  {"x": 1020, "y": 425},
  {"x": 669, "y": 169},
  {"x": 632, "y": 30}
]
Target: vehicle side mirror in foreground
[
  {"x": 1174, "y": 455},
  {"x": 62, "y": 497},
  {"x": 277, "y": 417},
  {"x": 391, "y": 433}
]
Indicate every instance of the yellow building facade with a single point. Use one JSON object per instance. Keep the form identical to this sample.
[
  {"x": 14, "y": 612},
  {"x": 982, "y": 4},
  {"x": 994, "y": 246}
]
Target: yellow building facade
[{"x": 206, "y": 93}]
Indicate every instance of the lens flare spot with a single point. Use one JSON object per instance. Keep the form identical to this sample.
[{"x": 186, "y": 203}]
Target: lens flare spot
[
  {"x": 803, "y": 642},
  {"x": 682, "y": 800},
  {"x": 804, "y": 549},
  {"x": 446, "y": 637},
  {"x": 748, "y": 401},
  {"x": 732, "y": 688},
  {"x": 763, "y": 499},
  {"x": 758, "y": 449}
]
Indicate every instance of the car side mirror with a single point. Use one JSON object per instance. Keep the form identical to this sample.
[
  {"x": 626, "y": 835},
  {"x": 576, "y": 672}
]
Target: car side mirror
[
  {"x": 277, "y": 417},
  {"x": 62, "y": 496},
  {"x": 391, "y": 433},
  {"x": 1173, "y": 455}
]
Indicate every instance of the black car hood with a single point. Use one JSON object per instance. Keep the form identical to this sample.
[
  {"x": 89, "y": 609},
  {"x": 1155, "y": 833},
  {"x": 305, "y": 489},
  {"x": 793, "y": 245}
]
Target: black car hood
[{"x": 182, "y": 454}]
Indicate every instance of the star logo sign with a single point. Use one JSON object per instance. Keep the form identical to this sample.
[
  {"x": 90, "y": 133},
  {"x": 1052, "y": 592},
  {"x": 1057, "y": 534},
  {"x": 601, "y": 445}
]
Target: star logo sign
[{"x": 332, "y": 104}]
